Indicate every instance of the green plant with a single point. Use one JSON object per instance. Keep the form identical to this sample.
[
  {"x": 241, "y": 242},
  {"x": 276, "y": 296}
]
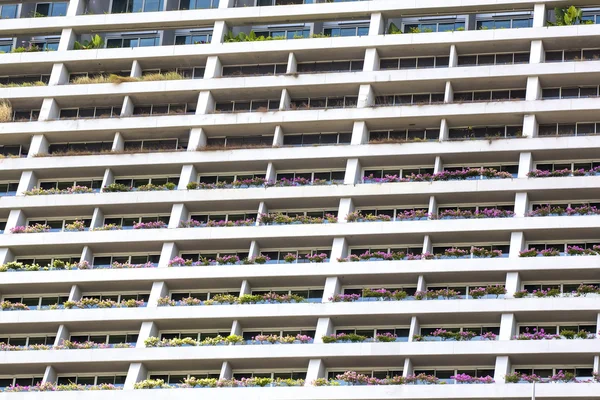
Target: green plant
[
  {"x": 567, "y": 16},
  {"x": 6, "y": 112},
  {"x": 95, "y": 42},
  {"x": 393, "y": 29},
  {"x": 568, "y": 334}
]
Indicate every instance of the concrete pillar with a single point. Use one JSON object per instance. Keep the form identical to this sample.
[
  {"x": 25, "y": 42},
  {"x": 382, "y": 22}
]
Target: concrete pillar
[
  {"x": 159, "y": 289},
  {"x": 372, "y": 60},
  {"x": 148, "y": 329},
  {"x": 118, "y": 142},
  {"x": 97, "y": 218},
  {"x": 597, "y": 329},
  {"x": 316, "y": 370},
  {"x": 188, "y": 175},
  {"x": 353, "y": 172},
  {"x": 471, "y": 22},
  {"x": 62, "y": 335},
  {"x": 346, "y": 207},
  {"x": 87, "y": 255},
  {"x": 168, "y": 252},
  {"x": 596, "y": 362},
  {"x": 50, "y": 375},
  {"x": 453, "y": 61},
  {"x": 415, "y": 328},
  {"x": 408, "y": 369},
  {"x": 76, "y": 7},
  {"x": 360, "y": 133},
  {"x": 27, "y": 182},
  {"x": 508, "y": 326},
  {"x": 525, "y": 164},
  {"x": 521, "y": 204},
  {"x": 226, "y": 3},
  {"x": 49, "y": 110},
  {"x": 75, "y": 293},
  {"x": 539, "y": 15},
  {"x": 332, "y": 287},
  {"x": 137, "y": 372},
  {"x": 513, "y": 284},
  {"x": 377, "y": 25},
  {"x": 59, "y": 75},
  {"x": 537, "y": 54},
  {"x": 292, "y": 64},
  {"x": 285, "y": 100},
  {"x": 339, "y": 249},
  {"x": 421, "y": 284},
  {"x": 127, "y": 108},
  {"x": 109, "y": 178},
  {"x": 530, "y": 126},
  {"x": 534, "y": 89},
  {"x": 433, "y": 206},
  {"x": 15, "y": 218},
  {"x": 262, "y": 209},
  {"x": 226, "y": 371},
  {"x": 517, "y": 244},
  {"x": 197, "y": 139},
  {"x": 444, "y": 129},
  {"x": 236, "y": 328},
  {"x": 67, "y": 39},
  {"x": 271, "y": 173},
  {"x": 448, "y": 93},
  {"x": 6, "y": 255},
  {"x": 427, "y": 244},
  {"x": 502, "y": 368},
  {"x": 324, "y": 328},
  {"x": 438, "y": 166},
  {"x": 254, "y": 249},
  {"x": 219, "y": 31},
  {"x": 245, "y": 288},
  {"x": 136, "y": 69},
  {"x": 366, "y": 96},
  {"x": 179, "y": 212},
  {"x": 214, "y": 68},
  {"x": 278, "y": 136},
  {"x": 206, "y": 103}
]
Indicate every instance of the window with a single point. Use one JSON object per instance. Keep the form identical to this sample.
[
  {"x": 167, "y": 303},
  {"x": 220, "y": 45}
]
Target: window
[
  {"x": 2, "y": 226},
  {"x": 75, "y": 76},
  {"x": 194, "y": 38},
  {"x": 311, "y": 295},
  {"x": 110, "y": 339},
  {"x": 229, "y": 177},
  {"x": 129, "y": 6},
  {"x": 278, "y": 256},
  {"x": 130, "y": 221},
  {"x": 427, "y": 332},
  {"x": 59, "y": 225},
  {"x": 562, "y": 246},
  {"x": 94, "y": 184},
  {"x": 161, "y": 109},
  {"x": 58, "y": 9},
  {"x": 414, "y": 62},
  {"x": 83, "y": 148},
  {"x": 197, "y": 4},
  {"x": 202, "y": 295},
  {"x": 401, "y": 333},
  {"x": 328, "y": 176},
  {"x": 199, "y": 336},
  {"x": 135, "y": 183},
  {"x": 489, "y": 95},
  {"x": 249, "y": 335},
  {"x": 500, "y": 21},
  {"x": 6, "y": 45},
  {"x": 240, "y": 142},
  {"x": 43, "y": 261},
  {"x": 8, "y": 11},
  {"x": 554, "y": 329},
  {"x": 23, "y": 79},
  {"x": 247, "y": 106},
  {"x": 273, "y": 375},
  {"x": 12, "y": 151},
  {"x": 407, "y": 249},
  {"x": 393, "y": 213},
  {"x": 46, "y": 44},
  {"x": 117, "y": 380},
  {"x": 185, "y": 72},
  {"x": 574, "y": 129},
  {"x": 254, "y": 70},
  {"x": 573, "y": 55},
  {"x": 446, "y": 24},
  {"x": 146, "y": 40},
  {"x": 153, "y": 145},
  {"x": 377, "y": 373},
  {"x": 324, "y": 102},
  {"x": 90, "y": 112},
  {"x": 316, "y": 139},
  {"x": 444, "y": 374},
  {"x": 409, "y": 99},
  {"x": 24, "y": 341},
  {"x": 400, "y": 172},
  {"x": 485, "y": 132},
  {"x": 231, "y": 216},
  {"x": 556, "y": 166},
  {"x": 548, "y": 371},
  {"x": 136, "y": 259},
  {"x": 37, "y": 302},
  {"x": 330, "y": 66},
  {"x": 117, "y": 297},
  {"x": 570, "y": 92},
  {"x": 6, "y": 381},
  {"x": 8, "y": 188},
  {"x": 404, "y": 135},
  {"x": 440, "y": 249},
  {"x": 512, "y": 169},
  {"x": 308, "y": 213},
  {"x": 283, "y": 33},
  {"x": 493, "y": 59},
  {"x": 173, "y": 379},
  {"x": 214, "y": 254},
  {"x": 475, "y": 208}
]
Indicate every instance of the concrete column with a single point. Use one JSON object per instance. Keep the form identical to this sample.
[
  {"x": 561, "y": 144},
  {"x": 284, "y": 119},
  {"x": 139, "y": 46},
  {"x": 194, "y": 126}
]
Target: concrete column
[
  {"x": 316, "y": 370},
  {"x": 539, "y": 15},
  {"x": 15, "y": 218},
  {"x": 517, "y": 244},
  {"x": 470, "y": 22},
  {"x": 188, "y": 175},
  {"x": 262, "y": 209},
  {"x": 118, "y": 142},
  {"x": 534, "y": 89},
  {"x": 179, "y": 212},
  {"x": 109, "y": 178},
  {"x": 508, "y": 327},
  {"x": 366, "y": 96},
  {"x": 254, "y": 249},
  {"x": 596, "y": 362},
  {"x": 226, "y": 371},
  {"x": 408, "y": 368},
  {"x": 245, "y": 288},
  {"x": 353, "y": 172},
  {"x": 377, "y": 25},
  {"x": 148, "y": 329},
  {"x": 415, "y": 328},
  {"x": 597, "y": 328},
  {"x": 525, "y": 164},
  {"x": 521, "y": 204},
  {"x": 59, "y": 75},
  {"x": 236, "y": 328},
  {"x": 444, "y": 129},
  {"x": 453, "y": 61},
  {"x": 332, "y": 287},
  {"x": 168, "y": 252},
  {"x": 206, "y": 103},
  {"x": 62, "y": 335},
  {"x": 76, "y": 7},
  {"x": 448, "y": 93},
  {"x": 87, "y": 255},
  {"x": 513, "y": 284},
  {"x": 67, "y": 39},
  {"x": 27, "y": 182},
  {"x": 271, "y": 173},
  {"x": 137, "y": 372},
  {"x": 75, "y": 293},
  {"x": 339, "y": 249},
  {"x": 6, "y": 255},
  {"x": 427, "y": 244},
  {"x": 346, "y": 207},
  {"x": 278, "y": 136},
  {"x": 219, "y": 31},
  {"x": 197, "y": 139},
  {"x": 530, "y": 126},
  {"x": 39, "y": 145},
  {"x": 438, "y": 166},
  {"x": 159, "y": 289},
  {"x": 127, "y": 108},
  {"x": 49, "y": 110},
  {"x": 502, "y": 368},
  {"x": 372, "y": 60},
  {"x": 324, "y": 328},
  {"x": 433, "y": 206},
  {"x": 226, "y": 3},
  {"x": 537, "y": 54},
  {"x": 285, "y": 100},
  {"x": 214, "y": 68},
  {"x": 360, "y": 133},
  {"x": 136, "y": 69},
  {"x": 421, "y": 284},
  {"x": 292, "y": 64},
  {"x": 97, "y": 218},
  {"x": 50, "y": 375}
]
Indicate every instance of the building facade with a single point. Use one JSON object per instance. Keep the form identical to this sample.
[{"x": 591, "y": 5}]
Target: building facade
[{"x": 301, "y": 199}]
